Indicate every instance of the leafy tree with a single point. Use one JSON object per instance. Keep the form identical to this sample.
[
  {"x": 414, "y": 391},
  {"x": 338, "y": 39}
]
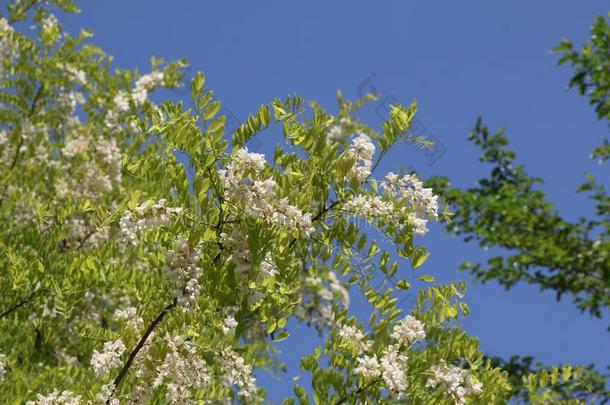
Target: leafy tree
[
  {"x": 147, "y": 259},
  {"x": 508, "y": 210}
]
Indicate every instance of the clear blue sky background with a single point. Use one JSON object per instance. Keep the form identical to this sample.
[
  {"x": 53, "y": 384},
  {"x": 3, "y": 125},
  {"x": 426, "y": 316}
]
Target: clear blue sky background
[{"x": 459, "y": 59}]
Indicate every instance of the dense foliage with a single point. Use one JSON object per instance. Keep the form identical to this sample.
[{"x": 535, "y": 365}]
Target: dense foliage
[{"x": 147, "y": 259}]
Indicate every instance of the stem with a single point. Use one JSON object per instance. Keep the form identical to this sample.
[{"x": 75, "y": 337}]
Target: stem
[
  {"x": 358, "y": 391},
  {"x": 18, "y": 305},
  {"x": 123, "y": 373}
]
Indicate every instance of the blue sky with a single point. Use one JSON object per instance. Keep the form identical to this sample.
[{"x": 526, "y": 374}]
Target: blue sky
[{"x": 459, "y": 59}]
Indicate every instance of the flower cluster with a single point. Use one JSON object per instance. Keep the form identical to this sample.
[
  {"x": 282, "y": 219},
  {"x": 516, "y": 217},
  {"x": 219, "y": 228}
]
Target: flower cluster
[
  {"x": 148, "y": 216},
  {"x": 455, "y": 382},
  {"x": 362, "y": 150},
  {"x": 181, "y": 267},
  {"x": 408, "y": 331},
  {"x": 229, "y": 324},
  {"x": 182, "y": 370},
  {"x": 391, "y": 367},
  {"x": 422, "y": 202},
  {"x": 56, "y": 398},
  {"x": 394, "y": 364},
  {"x": 237, "y": 372},
  {"x": 368, "y": 206},
  {"x": 354, "y": 336},
  {"x": 109, "y": 358},
  {"x": 257, "y": 198},
  {"x": 129, "y": 316},
  {"x": 338, "y": 131}
]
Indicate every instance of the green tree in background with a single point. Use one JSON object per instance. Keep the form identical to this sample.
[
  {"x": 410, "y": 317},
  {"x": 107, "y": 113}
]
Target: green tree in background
[{"x": 508, "y": 210}]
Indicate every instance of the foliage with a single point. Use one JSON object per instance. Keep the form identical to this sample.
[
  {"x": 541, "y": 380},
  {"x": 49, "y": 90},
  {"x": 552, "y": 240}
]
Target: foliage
[{"x": 147, "y": 259}]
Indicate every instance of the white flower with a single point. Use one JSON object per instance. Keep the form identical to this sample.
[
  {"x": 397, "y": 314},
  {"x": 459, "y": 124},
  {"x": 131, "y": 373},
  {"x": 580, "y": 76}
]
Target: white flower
[
  {"x": 130, "y": 316},
  {"x": 362, "y": 149},
  {"x": 250, "y": 161},
  {"x": 75, "y": 147},
  {"x": 368, "y": 367},
  {"x": 408, "y": 331},
  {"x": 394, "y": 370},
  {"x": 454, "y": 381},
  {"x": 109, "y": 358},
  {"x": 106, "y": 395},
  {"x": 237, "y": 372},
  {"x": 121, "y": 100},
  {"x": 353, "y": 336},
  {"x": 57, "y": 398},
  {"x": 181, "y": 267},
  {"x": 77, "y": 75},
  {"x": 229, "y": 324},
  {"x": 367, "y": 206},
  {"x": 181, "y": 370}
]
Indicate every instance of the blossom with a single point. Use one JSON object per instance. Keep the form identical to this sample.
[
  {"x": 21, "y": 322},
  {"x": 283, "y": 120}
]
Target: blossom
[
  {"x": 367, "y": 206},
  {"x": 368, "y": 367},
  {"x": 75, "y": 147},
  {"x": 181, "y": 267},
  {"x": 8, "y": 46},
  {"x": 56, "y": 398},
  {"x": 109, "y": 358},
  {"x": 455, "y": 382},
  {"x": 182, "y": 369},
  {"x": 130, "y": 317},
  {"x": 148, "y": 215},
  {"x": 237, "y": 372},
  {"x": 121, "y": 101},
  {"x": 408, "y": 331},
  {"x": 362, "y": 149},
  {"x": 106, "y": 395},
  {"x": 229, "y": 324},
  {"x": 354, "y": 336},
  {"x": 394, "y": 370}
]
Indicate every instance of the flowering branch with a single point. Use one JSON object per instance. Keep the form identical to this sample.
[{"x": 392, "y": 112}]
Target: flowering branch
[{"x": 139, "y": 346}]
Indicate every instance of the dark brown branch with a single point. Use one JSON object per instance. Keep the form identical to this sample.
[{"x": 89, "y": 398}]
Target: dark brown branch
[{"x": 18, "y": 305}]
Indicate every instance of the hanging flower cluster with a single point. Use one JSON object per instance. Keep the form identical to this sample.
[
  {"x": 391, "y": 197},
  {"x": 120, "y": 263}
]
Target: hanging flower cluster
[
  {"x": 257, "y": 198},
  {"x": 108, "y": 359},
  {"x": 182, "y": 269},
  {"x": 455, "y": 382},
  {"x": 147, "y": 216}
]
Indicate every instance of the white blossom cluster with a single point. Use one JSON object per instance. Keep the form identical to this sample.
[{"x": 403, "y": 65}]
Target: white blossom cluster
[
  {"x": 351, "y": 335},
  {"x": 423, "y": 203},
  {"x": 257, "y": 198},
  {"x": 111, "y": 155},
  {"x": 408, "y": 331},
  {"x": 109, "y": 358},
  {"x": 362, "y": 149},
  {"x": 455, "y": 382},
  {"x": 129, "y": 316},
  {"x": 237, "y": 372},
  {"x": 391, "y": 367},
  {"x": 76, "y": 75},
  {"x": 8, "y": 45},
  {"x": 182, "y": 269},
  {"x": 75, "y": 147},
  {"x": 368, "y": 206},
  {"x": 139, "y": 94},
  {"x": 182, "y": 370},
  {"x": 147, "y": 216},
  {"x": 394, "y": 374},
  {"x": 56, "y": 398},
  {"x": 229, "y": 324},
  {"x": 106, "y": 395}
]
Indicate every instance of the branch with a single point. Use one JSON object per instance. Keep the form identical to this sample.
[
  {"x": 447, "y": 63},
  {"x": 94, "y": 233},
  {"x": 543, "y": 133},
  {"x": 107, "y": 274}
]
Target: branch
[
  {"x": 358, "y": 391},
  {"x": 18, "y": 305}
]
